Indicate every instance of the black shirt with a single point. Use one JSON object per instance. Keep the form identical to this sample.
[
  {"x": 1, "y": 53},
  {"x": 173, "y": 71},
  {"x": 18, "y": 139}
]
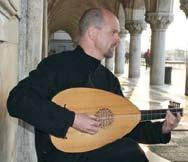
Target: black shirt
[{"x": 30, "y": 100}]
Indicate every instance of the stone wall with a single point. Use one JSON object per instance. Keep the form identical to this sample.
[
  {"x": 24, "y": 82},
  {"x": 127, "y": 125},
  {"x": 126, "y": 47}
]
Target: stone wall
[
  {"x": 30, "y": 48},
  {"x": 8, "y": 75},
  {"x": 21, "y": 47}
]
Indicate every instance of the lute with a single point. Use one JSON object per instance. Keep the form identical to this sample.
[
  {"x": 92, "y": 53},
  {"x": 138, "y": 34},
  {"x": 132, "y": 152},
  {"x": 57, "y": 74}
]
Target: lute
[{"x": 117, "y": 116}]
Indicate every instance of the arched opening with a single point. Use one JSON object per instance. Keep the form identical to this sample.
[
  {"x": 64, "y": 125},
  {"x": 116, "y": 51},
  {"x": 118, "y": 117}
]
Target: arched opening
[{"x": 60, "y": 41}]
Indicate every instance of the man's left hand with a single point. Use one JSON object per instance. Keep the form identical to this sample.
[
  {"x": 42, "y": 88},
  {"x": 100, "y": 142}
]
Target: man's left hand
[{"x": 171, "y": 122}]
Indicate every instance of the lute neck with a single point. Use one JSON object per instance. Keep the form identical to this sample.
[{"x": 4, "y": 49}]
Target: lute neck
[{"x": 158, "y": 114}]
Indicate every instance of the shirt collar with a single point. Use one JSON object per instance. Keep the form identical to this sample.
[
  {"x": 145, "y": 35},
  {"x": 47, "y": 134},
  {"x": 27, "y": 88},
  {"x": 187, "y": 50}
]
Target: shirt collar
[{"x": 89, "y": 62}]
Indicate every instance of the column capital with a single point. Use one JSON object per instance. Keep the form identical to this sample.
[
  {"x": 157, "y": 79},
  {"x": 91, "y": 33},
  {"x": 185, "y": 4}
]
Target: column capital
[
  {"x": 184, "y": 6},
  {"x": 123, "y": 33},
  {"x": 159, "y": 21},
  {"x": 135, "y": 26},
  {"x": 8, "y": 8}
]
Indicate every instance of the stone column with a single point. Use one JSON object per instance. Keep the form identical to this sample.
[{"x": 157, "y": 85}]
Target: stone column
[
  {"x": 120, "y": 54},
  {"x": 103, "y": 62},
  {"x": 186, "y": 81},
  {"x": 135, "y": 27},
  {"x": 45, "y": 30},
  {"x": 9, "y": 22},
  {"x": 184, "y": 7},
  {"x": 30, "y": 48},
  {"x": 159, "y": 22},
  {"x": 109, "y": 63},
  {"x": 121, "y": 49}
]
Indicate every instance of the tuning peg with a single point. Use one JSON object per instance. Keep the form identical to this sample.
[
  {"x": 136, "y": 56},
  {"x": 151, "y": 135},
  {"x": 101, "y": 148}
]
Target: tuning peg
[{"x": 173, "y": 104}]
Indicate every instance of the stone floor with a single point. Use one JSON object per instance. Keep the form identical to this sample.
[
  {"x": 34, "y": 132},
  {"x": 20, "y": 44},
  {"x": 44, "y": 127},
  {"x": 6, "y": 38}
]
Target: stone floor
[{"x": 145, "y": 96}]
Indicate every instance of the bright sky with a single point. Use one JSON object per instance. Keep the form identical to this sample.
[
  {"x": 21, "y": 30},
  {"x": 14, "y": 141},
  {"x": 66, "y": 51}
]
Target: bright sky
[{"x": 176, "y": 33}]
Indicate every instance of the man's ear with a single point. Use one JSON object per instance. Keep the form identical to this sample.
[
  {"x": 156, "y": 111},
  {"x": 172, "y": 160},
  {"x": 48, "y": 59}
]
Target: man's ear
[{"x": 92, "y": 32}]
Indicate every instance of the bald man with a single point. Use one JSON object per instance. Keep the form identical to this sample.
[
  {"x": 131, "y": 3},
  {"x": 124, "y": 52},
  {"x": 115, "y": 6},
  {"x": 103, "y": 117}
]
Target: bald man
[{"x": 31, "y": 101}]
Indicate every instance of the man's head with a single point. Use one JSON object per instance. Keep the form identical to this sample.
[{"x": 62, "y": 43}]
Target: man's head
[
  {"x": 90, "y": 17},
  {"x": 99, "y": 32}
]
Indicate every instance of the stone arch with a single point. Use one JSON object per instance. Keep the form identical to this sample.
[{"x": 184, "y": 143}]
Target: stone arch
[
  {"x": 65, "y": 14},
  {"x": 60, "y": 41}
]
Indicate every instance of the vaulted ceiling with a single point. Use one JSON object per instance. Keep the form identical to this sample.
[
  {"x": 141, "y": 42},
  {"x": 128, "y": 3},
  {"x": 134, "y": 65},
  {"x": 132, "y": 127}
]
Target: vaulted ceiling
[{"x": 65, "y": 14}]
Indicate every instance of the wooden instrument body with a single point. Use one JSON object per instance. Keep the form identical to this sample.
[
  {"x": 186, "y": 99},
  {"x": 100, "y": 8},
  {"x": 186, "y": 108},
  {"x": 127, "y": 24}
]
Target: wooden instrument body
[{"x": 121, "y": 117}]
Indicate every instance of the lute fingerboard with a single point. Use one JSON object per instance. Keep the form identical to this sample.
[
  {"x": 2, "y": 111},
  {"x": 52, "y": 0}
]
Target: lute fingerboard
[{"x": 158, "y": 114}]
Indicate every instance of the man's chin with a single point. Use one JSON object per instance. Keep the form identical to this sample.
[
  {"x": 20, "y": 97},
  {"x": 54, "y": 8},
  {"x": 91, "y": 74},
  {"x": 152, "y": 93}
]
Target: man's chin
[{"x": 109, "y": 54}]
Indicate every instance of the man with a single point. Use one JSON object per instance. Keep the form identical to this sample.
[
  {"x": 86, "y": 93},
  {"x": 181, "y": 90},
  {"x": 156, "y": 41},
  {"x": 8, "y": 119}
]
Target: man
[
  {"x": 147, "y": 56},
  {"x": 30, "y": 100}
]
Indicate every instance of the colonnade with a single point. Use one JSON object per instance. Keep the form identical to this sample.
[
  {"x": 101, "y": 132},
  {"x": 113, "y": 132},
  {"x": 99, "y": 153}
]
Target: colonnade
[{"x": 159, "y": 18}]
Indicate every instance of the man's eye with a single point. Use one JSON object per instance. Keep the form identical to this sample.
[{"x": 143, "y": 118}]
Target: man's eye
[{"x": 115, "y": 32}]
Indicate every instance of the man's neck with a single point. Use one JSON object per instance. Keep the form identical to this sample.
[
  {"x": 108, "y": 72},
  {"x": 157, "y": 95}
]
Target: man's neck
[{"x": 90, "y": 51}]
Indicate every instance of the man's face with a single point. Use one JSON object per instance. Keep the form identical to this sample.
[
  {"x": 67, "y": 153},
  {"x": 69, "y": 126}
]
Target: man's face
[{"x": 108, "y": 37}]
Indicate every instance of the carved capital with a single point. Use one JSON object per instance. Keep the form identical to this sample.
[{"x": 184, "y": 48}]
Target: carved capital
[
  {"x": 3, "y": 29},
  {"x": 8, "y": 8},
  {"x": 135, "y": 26},
  {"x": 123, "y": 33},
  {"x": 159, "y": 21},
  {"x": 184, "y": 6}
]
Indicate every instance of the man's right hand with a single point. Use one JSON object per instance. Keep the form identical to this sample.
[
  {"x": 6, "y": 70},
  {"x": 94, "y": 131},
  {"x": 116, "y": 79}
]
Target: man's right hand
[{"x": 86, "y": 124}]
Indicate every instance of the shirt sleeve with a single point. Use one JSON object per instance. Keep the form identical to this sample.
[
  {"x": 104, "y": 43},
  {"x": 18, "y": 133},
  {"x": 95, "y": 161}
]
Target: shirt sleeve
[
  {"x": 149, "y": 133},
  {"x": 31, "y": 101}
]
